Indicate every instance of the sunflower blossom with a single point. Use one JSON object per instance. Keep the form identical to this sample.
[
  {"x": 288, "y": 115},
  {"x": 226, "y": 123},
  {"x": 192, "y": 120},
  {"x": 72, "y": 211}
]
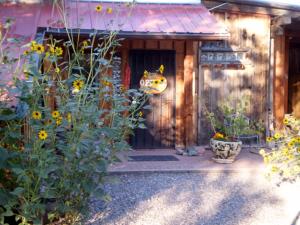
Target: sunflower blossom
[
  {"x": 43, "y": 135},
  {"x": 78, "y": 84},
  {"x": 55, "y": 114},
  {"x": 98, "y": 8},
  {"x": 36, "y": 115}
]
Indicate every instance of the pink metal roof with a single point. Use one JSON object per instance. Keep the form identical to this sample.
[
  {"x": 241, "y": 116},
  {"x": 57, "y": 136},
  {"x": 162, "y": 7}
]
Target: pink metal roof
[{"x": 150, "y": 19}]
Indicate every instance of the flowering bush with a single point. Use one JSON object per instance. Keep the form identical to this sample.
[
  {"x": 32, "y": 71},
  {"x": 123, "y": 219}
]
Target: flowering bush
[
  {"x": 229, "y": 121},
  {"x": 67, "y": 121},
  {"x": 284, "y": 159}
]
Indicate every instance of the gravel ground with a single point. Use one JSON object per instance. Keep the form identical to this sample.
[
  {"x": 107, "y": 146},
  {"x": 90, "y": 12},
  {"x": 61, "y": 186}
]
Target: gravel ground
[{"x": 197, "y": 199}]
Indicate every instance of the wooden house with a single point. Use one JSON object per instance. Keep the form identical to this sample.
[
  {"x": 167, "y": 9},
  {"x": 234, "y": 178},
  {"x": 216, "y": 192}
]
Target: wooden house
[{"x": 210, "y": 51}]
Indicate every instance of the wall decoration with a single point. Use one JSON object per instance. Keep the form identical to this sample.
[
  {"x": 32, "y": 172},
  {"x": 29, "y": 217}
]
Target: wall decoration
[
  {"x": 154, "y": 83},
  {"x": 219, "y": 55}
]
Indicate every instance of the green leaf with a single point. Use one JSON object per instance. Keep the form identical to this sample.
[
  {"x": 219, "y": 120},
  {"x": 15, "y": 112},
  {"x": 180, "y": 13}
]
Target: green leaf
[
  {"x": 8, "y": 213},
  {"x": 18, "y": 191},
  {"x": 4, "y": 156},
  {"x": 5, "y": 197}
]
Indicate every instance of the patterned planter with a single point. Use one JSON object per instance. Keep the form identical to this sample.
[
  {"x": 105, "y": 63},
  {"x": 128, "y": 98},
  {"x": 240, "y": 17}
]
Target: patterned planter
[{"x": 225, "y": 151}]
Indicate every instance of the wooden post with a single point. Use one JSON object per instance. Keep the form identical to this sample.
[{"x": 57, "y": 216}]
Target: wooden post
[
  {"x": 179, "y": 47},
  {"x": 189, "y": 73},
  {"x": 280, "y": 94}
]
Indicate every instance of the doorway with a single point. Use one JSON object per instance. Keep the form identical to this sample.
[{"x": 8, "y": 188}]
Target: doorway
[
  {"x": 294, "y": 78},
  {"x": 160, "y": 120}
]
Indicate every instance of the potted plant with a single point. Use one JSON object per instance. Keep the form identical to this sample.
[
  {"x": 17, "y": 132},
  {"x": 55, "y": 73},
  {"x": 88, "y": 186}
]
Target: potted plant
[{"x": 228, "y": 124}]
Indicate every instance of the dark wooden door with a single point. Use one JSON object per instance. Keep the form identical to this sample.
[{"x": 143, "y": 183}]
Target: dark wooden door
[
  {"x": 160, "y": 120},
  {"x": 294, "y": 79}
]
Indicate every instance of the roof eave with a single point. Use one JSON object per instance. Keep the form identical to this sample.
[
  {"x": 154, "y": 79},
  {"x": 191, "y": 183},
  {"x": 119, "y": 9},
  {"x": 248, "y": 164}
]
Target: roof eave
[
  {"x": 260, "y": 3},
  {"x": 143, "y": 35}
]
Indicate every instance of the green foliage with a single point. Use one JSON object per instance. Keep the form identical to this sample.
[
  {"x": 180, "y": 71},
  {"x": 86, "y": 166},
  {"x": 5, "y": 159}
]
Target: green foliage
[
  {"x": 54, "y": 156},
  {"x": 229, "y": 121}
]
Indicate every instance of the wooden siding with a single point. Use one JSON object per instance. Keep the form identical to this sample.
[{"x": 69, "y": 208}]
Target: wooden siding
[
  {"x": 248, "y": 31},
  {"x": 186, "y": 65}
]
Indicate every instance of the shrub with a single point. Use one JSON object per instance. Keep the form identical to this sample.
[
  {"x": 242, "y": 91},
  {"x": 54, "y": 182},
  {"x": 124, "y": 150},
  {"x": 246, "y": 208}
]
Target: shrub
[
  {"x": 66, "y": 121},
  {"x": 283, "y": 161}
]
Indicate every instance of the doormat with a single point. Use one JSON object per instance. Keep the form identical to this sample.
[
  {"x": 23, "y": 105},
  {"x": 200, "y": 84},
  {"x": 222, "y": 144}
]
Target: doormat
[{"x": 143, "y": 158}]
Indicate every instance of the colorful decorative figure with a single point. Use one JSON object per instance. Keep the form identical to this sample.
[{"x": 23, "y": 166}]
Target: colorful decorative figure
[{"x": 154, "y": 83}]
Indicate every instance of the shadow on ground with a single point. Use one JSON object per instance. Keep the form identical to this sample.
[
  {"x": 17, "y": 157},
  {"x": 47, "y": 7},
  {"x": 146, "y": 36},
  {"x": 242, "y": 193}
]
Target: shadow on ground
[{"x": 196, "y": 199}]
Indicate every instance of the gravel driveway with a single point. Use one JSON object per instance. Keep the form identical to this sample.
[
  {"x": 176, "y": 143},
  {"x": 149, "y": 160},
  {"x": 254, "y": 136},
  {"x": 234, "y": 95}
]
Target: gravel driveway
[{"x": 197, "y": 199}]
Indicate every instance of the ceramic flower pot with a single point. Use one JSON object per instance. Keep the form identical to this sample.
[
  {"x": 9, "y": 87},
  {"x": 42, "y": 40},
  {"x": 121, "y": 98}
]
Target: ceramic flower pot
[{"x": 225, "y": 151}]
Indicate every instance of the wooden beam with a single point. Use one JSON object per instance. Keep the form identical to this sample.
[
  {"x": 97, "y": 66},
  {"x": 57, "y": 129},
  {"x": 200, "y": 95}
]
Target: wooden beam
[
  {"x": 280, "y": 93},
  {"x": 180, "y": 128},
  {"x": 282, "y": 20},
  {"x": 188, "y": 94}
]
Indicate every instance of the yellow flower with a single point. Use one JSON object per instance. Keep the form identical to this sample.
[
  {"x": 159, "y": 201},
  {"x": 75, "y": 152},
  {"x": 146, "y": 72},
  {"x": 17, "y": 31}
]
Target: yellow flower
[
  {"x": 26, "y": 52},
  {"x": 39, "y": 49},
  {"x": 85, "y": 43},
  {"x": 52, "y": 50},
  {"x": 140, "y": 114},
  {"x": 161, "y": 69},
  {"x": 277, "y": 136},
  {"x": 146, "y": 73},
  {"x": 275, "y": 169},
  {"x": 32, "y": 45},
  {"x": 36, "y": 115},
  {"x": 69, "y": 117},
  {"x": 297, "y": 169},
  {"x": 106, "y": 83},
  {"x": 218, "y": 136},
  {"x": 58, "y": 120},
  {"x": 285, "y": 121},
  {"x": 262, "y": 152},
  {"x": 266, "y": 159},
  {"x": 291, "y": 144},
  {"x": 98, "y": 8},
  {"x": 285, "y": 151},
  {"x": 43, "y": 135},
  {"x": 26, "y": 73},
  {"x": 58, "y": 51},
  {"x": 78, "y": 84},
  {"x": 109, "y": 10},
  {"x": 57, "y": 70},
  {"x": 55, "y": 114},
  {"x": 269, "y": 139}
]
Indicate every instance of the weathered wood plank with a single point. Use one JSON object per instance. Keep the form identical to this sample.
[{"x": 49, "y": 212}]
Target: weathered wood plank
[
  {"x": 152, "y": 44},
  {"x": 137, "y": 44},
  {"x": 166, "y": 44}
]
